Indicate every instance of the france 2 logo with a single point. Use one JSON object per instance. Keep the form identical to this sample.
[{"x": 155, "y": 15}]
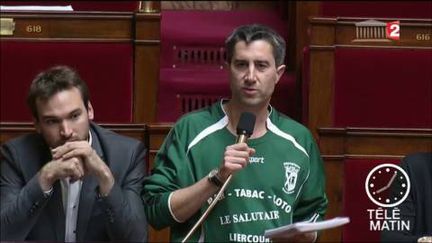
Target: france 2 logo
[{"x": 392, "y": 30}]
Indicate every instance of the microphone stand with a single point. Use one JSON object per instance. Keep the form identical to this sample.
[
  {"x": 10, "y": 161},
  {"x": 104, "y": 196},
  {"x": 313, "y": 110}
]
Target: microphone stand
[{"x": 242, "y": 138}]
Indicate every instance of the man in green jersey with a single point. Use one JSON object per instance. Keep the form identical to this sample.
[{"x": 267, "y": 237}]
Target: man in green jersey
[{"x": 278, "y": 175}]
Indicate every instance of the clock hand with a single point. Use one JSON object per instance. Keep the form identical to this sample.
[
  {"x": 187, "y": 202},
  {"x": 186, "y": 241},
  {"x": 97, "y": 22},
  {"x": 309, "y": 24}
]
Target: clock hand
[
  {"x": 392, "y": 179},
  {"x": 388, "y": 184},
  {"x": 380, "y": 190}
]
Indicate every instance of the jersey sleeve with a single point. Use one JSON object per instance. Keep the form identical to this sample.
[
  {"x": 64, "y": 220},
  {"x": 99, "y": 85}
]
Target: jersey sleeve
[
  {"x": 312, "y": 203},
  {"x": 171, "y": 172}
]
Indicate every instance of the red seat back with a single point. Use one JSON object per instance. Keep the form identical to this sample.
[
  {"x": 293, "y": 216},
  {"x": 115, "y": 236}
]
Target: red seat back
[
  {"x": 377, "y": 87},
  {"x": 106, "y": 67}
]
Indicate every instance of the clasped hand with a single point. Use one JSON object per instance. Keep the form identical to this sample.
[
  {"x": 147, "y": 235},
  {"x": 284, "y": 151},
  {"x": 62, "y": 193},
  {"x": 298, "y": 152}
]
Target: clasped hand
[{"x": 75, "y": 160}]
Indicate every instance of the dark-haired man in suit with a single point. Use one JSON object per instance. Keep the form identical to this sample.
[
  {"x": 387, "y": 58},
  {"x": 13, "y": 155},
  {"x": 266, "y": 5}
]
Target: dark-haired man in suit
[
  {"x": 416, "y": 208},
  {"x": 72, "y": 180}
]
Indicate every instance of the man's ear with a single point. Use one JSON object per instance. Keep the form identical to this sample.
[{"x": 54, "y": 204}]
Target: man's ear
[
  {"x": 280, "y": 70},
  {"x": 90, "y": 111}
]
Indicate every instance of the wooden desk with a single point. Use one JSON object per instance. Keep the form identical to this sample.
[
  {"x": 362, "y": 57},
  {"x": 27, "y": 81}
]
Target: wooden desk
[{"x": 9, "y": 130}]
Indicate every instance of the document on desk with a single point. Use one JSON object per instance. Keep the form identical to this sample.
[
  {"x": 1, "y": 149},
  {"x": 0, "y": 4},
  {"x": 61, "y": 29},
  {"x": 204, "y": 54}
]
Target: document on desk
[{"x": 290, "y": 230}]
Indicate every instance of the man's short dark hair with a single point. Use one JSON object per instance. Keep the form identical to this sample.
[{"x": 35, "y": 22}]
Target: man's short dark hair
[
  {"x": 50, "y": 82},
  {"x": 249, "y": 33}
]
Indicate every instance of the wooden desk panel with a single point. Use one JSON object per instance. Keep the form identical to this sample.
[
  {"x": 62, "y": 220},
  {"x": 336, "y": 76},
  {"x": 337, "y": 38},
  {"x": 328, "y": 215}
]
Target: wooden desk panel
[
  {"x": 147, "y": 55},
  {"x": 156, "y": 135},
  {"x": 75, "y": 25},
  {"x": 9, "y": 130},
  {"x": 342, "y": 31}
]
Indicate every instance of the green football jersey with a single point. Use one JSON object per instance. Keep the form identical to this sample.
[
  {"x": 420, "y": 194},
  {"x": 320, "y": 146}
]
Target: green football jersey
[{"x": 283, "y": 183}]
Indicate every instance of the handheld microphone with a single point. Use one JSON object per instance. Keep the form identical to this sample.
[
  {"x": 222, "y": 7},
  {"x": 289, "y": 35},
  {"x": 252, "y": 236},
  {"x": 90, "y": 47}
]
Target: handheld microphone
[{"x": 244, "y": 129}]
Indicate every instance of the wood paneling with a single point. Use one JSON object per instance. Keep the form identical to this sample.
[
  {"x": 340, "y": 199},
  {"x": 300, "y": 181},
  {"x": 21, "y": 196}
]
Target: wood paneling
[
  {"x": 158, "y": 235},
  {"x": 298, "y": 14},
  {"x": 82, "y": 25},
  {"x": 333, "y": 167},
  {"x": 9, "y": 130},
  {"x": 146, "y": 82},
  {"x": 147, "y": 27},
  {"x": 303, "y": 11},
  {"x": 342, "y": 31},
  {"x": 146, "y": 68},
  {"x": 156, "y": 135},
  {"x": 321, "y": 101}
]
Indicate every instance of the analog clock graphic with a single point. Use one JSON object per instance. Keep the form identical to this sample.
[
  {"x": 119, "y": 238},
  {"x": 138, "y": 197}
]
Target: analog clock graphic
[{"x": 387, "y": 185}]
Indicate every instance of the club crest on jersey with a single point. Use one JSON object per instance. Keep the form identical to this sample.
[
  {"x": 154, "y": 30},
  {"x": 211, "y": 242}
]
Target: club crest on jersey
[{"x": 291, "y": 172}]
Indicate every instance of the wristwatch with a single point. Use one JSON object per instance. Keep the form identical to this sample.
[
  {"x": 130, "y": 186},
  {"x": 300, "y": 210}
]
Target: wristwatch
[{"x": 214, "y": 178}]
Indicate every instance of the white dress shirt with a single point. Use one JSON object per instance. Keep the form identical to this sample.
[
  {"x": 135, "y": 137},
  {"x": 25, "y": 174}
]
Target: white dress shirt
[{"x": 70, "y": 196}]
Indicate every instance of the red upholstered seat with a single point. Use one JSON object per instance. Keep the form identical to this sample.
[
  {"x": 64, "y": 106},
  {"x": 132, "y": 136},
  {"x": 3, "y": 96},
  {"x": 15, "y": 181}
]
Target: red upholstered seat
[
  {"x": 383, "y": 87},
  {"x": 355, "y": 200},
  {"x": 377, "y": 9},
  {"x": 106, "y": 67},
  {"x": 193, "y": 58}
]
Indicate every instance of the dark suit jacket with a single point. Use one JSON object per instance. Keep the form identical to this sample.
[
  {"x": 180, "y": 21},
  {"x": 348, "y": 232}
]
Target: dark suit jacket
[
  {"x": 27, "y": 215},
  {"x": 417, "y": 208}
]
